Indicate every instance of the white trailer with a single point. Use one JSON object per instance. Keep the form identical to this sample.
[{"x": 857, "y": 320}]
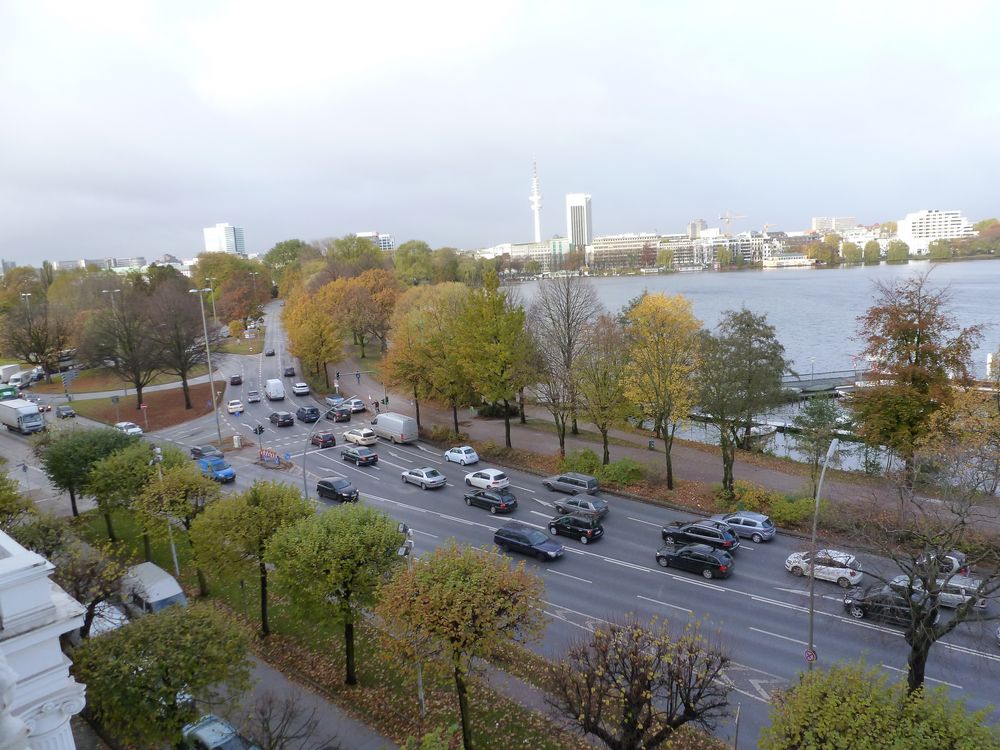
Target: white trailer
[
  {"x": 7, "y": 370},
  {"x": 18, "y": 415}
]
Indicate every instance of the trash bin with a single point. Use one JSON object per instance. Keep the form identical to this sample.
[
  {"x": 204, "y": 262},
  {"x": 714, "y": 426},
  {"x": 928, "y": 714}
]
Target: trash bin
[
  {"x": 237, "y": 441},
  {"x": 652, "y": 445}
]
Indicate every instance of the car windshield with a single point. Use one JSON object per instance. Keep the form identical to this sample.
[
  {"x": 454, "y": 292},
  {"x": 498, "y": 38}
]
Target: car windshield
[
  {"x": 766, "y": 523},
  {"x": 341, "y": 484},
  {"x": 535, "y": 536},
  {"x": 600, "y": 504},
  {"x": 365, "y": 452},
  {"x": 431, "y": 473}
]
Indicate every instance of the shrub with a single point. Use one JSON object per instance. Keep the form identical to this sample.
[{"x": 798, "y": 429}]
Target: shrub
[
  {"x": 624, "y": 472},
  {"x": 788, "y": 512},
  {"x": 584, "y": 461},
  {"x": 746, "y": 496},
  {"x": 444, "y": 435}
]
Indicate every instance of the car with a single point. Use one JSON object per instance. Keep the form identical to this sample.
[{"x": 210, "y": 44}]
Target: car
[
  {"x": 269, "y": 352},
  {"x": 500, "y": 500},
  {"x": 463, "y": 454},
  {"x": 361, "y": 436},
  {"x": 334, "y": 399},
  {"x": 235, "y": 406},
  {"x": 359, "y": 455},
  {"x": 289, "y": 372},
  {"x": 746, "y": 523},
  {"x": 425, "y": 477},
  {"x": 307, "y": 414},
  {"x": 325, "y": 439},
  {"x": 705, "y": 531},
  {"x": 593, "y": 506},
  {"x": 487, "y": 479},
  {"x": 951, "y": 592},
  {"x": 698, "y": 558},
  {"x": 42, "y": 406},
  {"x": 583, "y": 526},
  {"x": 282, "y": 418},
  {"x": 206, "y": 451},
  {"x": 882, "y": 602},
  {"x": 339, "y": 414},
  {"x": 518, "y": 537},
  {"x": 842, "y": 568},
  {"x": 65, "y": 412},
  {"x": 337, "y": 488},
  {"x": 300, "y": 389},
  {"x": 945, "y": 563},
  {"x": 236, "y": 380},
  {"x": 212, "y": 733},
  {"x": 572, "y": 483},
  {"x": 253, "y": 397},
  {"x": 129, "y": 428},
  {"x": 356, "y": 404}
]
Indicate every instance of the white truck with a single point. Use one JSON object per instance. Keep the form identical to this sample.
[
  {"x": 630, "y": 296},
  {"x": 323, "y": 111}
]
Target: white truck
[
  {"x": 18, "y": 415},
  {"x": 274, "y": 390},
  {"x": 7, "y": 370}
]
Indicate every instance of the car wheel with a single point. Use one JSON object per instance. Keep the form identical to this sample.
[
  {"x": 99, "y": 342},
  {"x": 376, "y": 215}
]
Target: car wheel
[
  {"x": 843, "y": 583},
  {"x": 707, "y": 572},
  {"x": 757, "y": 539},
  {"x": 404, "y": 479},
  {"x": 669, "y": 539},
  {"x": 493, "y": 510},
  {"x": 856, "y": 612},
  {"x": 467, "y": 482},
  {"x": 583, "y": 540},
  {"x": 502, "y": 547},
  {"x": 553, "y": 530},
  {"x": 394, "y": 440},
  {"x": 547, "y": 486},
  {"x": 663, "y": 561},
  {"x": 468, "y": 501},
  {"x": 541, "y": 556},
  {"x": 423, "y": 486},
  {"x": 797, "y": 571}
]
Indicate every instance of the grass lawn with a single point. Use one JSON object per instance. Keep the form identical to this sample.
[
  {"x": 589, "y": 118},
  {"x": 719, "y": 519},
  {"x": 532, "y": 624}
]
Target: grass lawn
[
  {"x": 163, "y": 408},
  {"x": 100, "y": 379},
  {"x": 241, "y": 345}
]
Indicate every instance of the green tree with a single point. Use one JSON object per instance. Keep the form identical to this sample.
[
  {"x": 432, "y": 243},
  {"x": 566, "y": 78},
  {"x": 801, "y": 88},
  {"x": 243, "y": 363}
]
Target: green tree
[
  {"x": 15, "y": 508},
  {"x": 68, "y": 457},
  {"x": 851, "y": 253},
  {"x": 532, "y": 268},
  {"x": 849, "y": 706},
  {"x": 141, "y": 679},
  {"x": 872, "y": 253},
  {"x": 897, "y": 252},
  {"x": 116, "y": 480},
  {"x": 330, "y": 566},
  {"x": 412, "y": 261},
  {"x": 816, "y": 422},
  {"x": 92, "y": 575},
  {"x": 602, "y": 370},
  {"x": 460, "y": 605},
  {"x": 983, "y": 224},
  {"x": 230, "y": 537},
  {"x": 940, "y": 250},
  {"x": 44, "y": 533}
]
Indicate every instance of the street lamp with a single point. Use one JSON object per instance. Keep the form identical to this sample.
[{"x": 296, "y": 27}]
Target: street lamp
[
  {"x": 253, "y": 280},
  {"x": 112, "y": 293},
  {"x": 811, "y": 653},
  {"x": 213, "y": 279},
  {"x": 305, "y": 455},
  {"x": 26, "y": 296},
  {"x": 812, "y": 369},
  {"x": 208, "y": 357}
]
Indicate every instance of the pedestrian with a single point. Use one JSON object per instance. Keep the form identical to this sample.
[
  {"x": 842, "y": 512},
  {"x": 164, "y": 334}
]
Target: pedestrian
[{"x": 378, "y": 409}]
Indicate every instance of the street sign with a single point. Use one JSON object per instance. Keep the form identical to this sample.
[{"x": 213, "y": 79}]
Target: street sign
[
  {"x": 288, "y": 456},
  {"x": 69, "y": 376},
  {"x": 142, "y": 406},
  {"x": 810, "y": 655},
  {"x": 114, "y": 399}
]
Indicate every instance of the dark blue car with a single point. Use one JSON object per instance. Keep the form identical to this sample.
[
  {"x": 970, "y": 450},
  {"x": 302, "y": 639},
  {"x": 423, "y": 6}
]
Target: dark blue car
[{"x": 519, "y": 537}]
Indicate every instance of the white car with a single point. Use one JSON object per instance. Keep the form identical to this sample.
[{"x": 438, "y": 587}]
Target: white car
[
  {"x": 463, "y": 454},
  {"x": 361, "y": 436},
  {"x": 300, "y": 389},
  {"x": 129, "y": 428},
  {"x": 355, "y": 405},
  {"x": 253, "y": 397},
  {"x": 842, "y": 568},
  {"x": 425, "y": 477},
  {"x": 487, "y": 479},
  {"x": 235, "y": 406}
]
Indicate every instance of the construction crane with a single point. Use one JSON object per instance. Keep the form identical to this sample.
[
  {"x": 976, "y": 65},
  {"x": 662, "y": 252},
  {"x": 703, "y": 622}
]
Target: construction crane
[{"x": 729, "y": 218}]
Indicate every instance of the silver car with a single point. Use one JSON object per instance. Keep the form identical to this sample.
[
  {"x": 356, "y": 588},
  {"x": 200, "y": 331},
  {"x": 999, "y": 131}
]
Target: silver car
[
  {"x": 425, "y": 477},
  {"x": 746, "y": 523}
]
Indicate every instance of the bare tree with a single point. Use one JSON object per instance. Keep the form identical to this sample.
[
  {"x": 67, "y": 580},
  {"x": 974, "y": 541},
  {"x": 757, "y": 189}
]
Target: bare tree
[
  {"x": 178, "y": 330},
  {"x": 37, "y": 331},
  {"x": 284, "y": 722}
]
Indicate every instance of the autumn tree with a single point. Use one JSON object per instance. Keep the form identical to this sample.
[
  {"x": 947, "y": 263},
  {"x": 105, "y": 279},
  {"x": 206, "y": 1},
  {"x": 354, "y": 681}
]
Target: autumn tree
[
  {"x": 232, "y": 535},
  {"x": 92, "y": 575},
  {"x": 461, "y": 605},
  {"x": 68, "y": 458},
  {"x": 44, "y": 533},
  {"x": 329, "y": 566},
  {"x": 383, "y": 289},
  {"x": 15, "y": 508},
  {"x": 36, "y": 330},
  {"x": 816, "y": 424},
  {"x": 315, "y": 333},
  {"x": 872, "y": 253},
  {"x": 851, "y": 252},
  {"x": 662, "y": 336},
  {"x": 115, "y": 480},
  {"x": 243, "y": 295},
  {"x": 633, "y": 685}
]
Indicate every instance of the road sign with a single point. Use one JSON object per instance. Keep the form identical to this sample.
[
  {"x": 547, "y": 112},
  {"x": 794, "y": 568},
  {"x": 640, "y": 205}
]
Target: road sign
[
  {"x": 142, "y": 406},
  {"x": 288, "y": 456},
  {"x": 69, "y": 376},
  {"x": 114, "y": 399},
  {"x": 810, "y": 655}
]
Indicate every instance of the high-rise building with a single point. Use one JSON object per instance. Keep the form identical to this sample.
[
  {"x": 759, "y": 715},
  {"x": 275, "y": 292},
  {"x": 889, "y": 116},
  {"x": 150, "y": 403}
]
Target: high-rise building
[
  {"x": 578, "y": 222},
  {"x": 920, "y": 229},
  {"x": 7, "y": 266},
  {"x": 536, "y": 203},
  {"x": 224, "y": 238},
  {"x": 381, "y": 241},
  {"x": 826, "y": 224},
  {"x": 696, "y": 227}
]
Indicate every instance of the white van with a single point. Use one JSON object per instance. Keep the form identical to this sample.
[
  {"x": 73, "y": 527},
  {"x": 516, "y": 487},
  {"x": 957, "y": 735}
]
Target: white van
[
  {"x": 20, "y": 379},
  {"x": 149, "y": 588},
  {"x": 274, "y": 390},
  {"x": 395, "y": 427}
]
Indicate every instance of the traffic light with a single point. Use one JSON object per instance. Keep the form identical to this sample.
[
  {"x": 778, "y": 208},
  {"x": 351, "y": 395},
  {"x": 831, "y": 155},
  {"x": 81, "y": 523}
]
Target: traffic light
[
  {"x": 338, "y": 374},
  {"x": 386, "y": 401},
  {"x": 258, "y": 430}
]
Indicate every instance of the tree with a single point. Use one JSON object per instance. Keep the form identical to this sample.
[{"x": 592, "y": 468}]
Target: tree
[
  {"x": 984, "y": 224},
  {"x": 872, "y": 253},
  {"x": 231, "y": 536},
  {"x": 92, "y": 575},
  {"x": 315, "y": 332},
  {"x": 44, "y": 533},
  {"x": 665, "y": 258},
  {"x": 178, "y": 330},
  {"x": 116, "y": 480},
  {"x": 816, "y": 423},
  {"x": 603, "y": 370},
  {"x": 286, "y": 722},
  {"x": 15, "y": 508},
  {"x": 141, "y": 679},
  {"x": 940, "y": 250},
  {"x": 36, "y": 331},
  {"x": 851, "y": 253},
  {"x": 289, "y": 253},
  {"x": 383, "y": 290},
  {"x": 68, "y": 458},
  {"x": 329, "y": 566},
  {"x": 242, "y": 296},
  {"x": 850, "y": 706},
  {"x": 662, "y": 336},
  {"x": 532, "y": 268},
  {"x": 634, "y": 685},
  {"x": 460, "y": 605},
  {"x": 412, "y": 261},
  {"x": 897, "y": 251}
]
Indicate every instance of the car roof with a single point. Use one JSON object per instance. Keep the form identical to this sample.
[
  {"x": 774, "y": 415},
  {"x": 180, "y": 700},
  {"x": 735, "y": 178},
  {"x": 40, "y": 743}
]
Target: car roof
[
  {"x": 745, "y": 514},
  {"x": 704, "y": 548}
]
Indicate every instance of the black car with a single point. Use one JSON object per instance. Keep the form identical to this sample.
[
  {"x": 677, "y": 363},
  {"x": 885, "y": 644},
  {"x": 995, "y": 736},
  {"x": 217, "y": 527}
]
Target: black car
[
  {"x": 495, "y": 501},
  {"x": 359, "y": 455},
  {"x": 583, "y": 526},
  {"x": 707, "y": 531},
  {"x": 882, "y": 602},
  {"x": 236, "y": 380},
  {"x": 337, "y": 488},
  {"x": 339, "y": 414},
  {"x": 518, "y": 537},
  {"x": 269, "y": 352},
  {"x": 65, "y": 412},
  {"x": 282, "y": 418},
  {"x": 698, "y": 558},
  {"x": 289, "y": 372},
  {"x": 206, "y": 451},
  {"x": 323, "y": 439},
  {"x": 307, "y": 414}
]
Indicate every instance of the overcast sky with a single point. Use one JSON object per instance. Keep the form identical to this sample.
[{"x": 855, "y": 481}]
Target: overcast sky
[{"x": 126, "y": 127}]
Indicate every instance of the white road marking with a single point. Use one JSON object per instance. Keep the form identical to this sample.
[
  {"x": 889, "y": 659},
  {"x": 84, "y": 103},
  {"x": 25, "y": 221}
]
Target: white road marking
[
  {"x": 422, "y": 458},
  {"x": 782, "y": 637},
  {"x": 526, "y": 489},
  {"x": 931, "y": 679},
  {"x": 425, "y": 533},
  {"x": 387, "y": 461},
  {"x": 648, "y": 523},
  {"x": 689, "y": 580},
  {"x": 543, "y": 515},
  {"x": 567, "y": 575},
  {"x": 543, "y": 502},
  {"x": 776, "y": 603},
  {"x": 666, "y": 604}
]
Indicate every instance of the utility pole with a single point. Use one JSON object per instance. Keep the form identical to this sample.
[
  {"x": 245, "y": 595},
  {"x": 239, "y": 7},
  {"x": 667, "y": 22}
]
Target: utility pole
[
  {"x": 212, "y": 280},
  {"x": 208, "y": 357},
  {"x": 811, "y": 651}
]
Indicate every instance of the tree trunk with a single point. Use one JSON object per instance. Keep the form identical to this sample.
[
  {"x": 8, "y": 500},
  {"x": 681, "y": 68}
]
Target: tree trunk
[
  {"x": 916, "y": 660},
  {"x": 138, "y": 396},
  {"x": 361, "y": 342},
  {"x": 416, "y": 404},
  {"x": 202, "y": 582},
  {"x": 506, "y": 422},
  {"x": 667, "y": 445},
  {"x": 604, "y": 439},
  {"x": 265, "y": 627},
  {"x": 72, "y": 502},
  {"x": 520, "y": 398},
  {"x": 728, "y": 457},
  {"x": 187, "y": 391},
  {"x": 326, "y": 375},
  {"x": 352, "y": 678},
  {"x": 147, "y": 548},
  {"x": 454, "y": 414},
  {"x": 111, "y": 528},
  {"x": 561, "y": 433},
  {"x": 463, "y": 707}
]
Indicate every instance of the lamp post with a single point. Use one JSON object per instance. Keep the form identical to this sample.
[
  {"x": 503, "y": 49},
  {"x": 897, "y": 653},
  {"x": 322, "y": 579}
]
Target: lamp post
[
  {"x": 112, "y": 293},
  {"x": 253, "y": 280},
  {"x": 812, "y": 554},
  {"x": 406, "y": 552},
  {"x": 212, "y": 280},
  {"x": 305, "y": 455},
  {"x": 26, "y": 296},
  {"x": 208, "y": 357},
  {"x": 812, "y": 369},
  {"x": 158, "y": 460}
]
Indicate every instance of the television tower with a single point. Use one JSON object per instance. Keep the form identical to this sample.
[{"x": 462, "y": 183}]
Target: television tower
[{"x": 536, "y": 201}]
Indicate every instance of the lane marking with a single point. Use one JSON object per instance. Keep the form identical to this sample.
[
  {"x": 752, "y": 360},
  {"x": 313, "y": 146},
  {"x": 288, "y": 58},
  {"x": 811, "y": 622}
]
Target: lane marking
[
  {"x": 543, "y": 502},
  {"x": 648, "y": 523},
  {"x": 526, "y": 489},
  {"x": 344, "y": 465},
  {"x": 778, "y": 635},
  {"x": 422, "y": 458},
  {"x": 539, "y": 513},
  {"x": 666, "y": 604},
  {"x": 425, "y": 533},
  {"x": 930, "y": 679},
  {"x": 776, "y": 603},
  {"x": 567, "y": 575},
  {"x": 689, "y": 580}
]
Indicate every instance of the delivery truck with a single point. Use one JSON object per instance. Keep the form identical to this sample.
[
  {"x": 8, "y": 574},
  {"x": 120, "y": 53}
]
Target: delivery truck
[
  {"x": 18, "y": 415},
  {"x": 274, "y": 390},
  {"x": 7, "y": 370}
]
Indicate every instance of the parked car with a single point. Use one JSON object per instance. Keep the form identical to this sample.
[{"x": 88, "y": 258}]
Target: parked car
[
  {"x": 361, "y": 436},
  {"x": 323, "y": 439},
  {"x": 593, "y": 506},
  {"x": 253, "y": 397},
  {"x": 212, "y": 733},
  {"x": 698, "y": 558},
  {"x": 706, "y": 531},
  {"x": 269, "y": 352},
  {"x": 746, "y": 523},
  {"x": 951, "y": 592},
  {"x": 337, "y": 488},
  {"x": 300, "y": 389},
  {"x": 206, "y": 451},
  {"x": 235, "y": 406},
  {"x": 356, "y": 405},
  {"x": 65, "y": 412},
  {"x": 583, "y": 526},
  {"x": 289, "y": 372},
  {"x": 129, "y": 428},
  {"x": 147, "y": 588},
  {"x": 881, "y": 602},
  {"x": 236, "y": 380},
  {"x": 487, "y": 479},
  {"x": 495, "y": 501},
  {"x": 572, "y": 483},
  {"x": 946, "y": 564},
  {"x": 517, "y": 537},
  {"x": 282, "y": 418},
  {"x": 359, "y": 456},
  {"x": 339, "y": 414},
  {"x": 830, "y": 565},
  {"x": 307, "y": 414},
  {"x": 462, "y": 454},
  {"x": 334, "y": 400},
  {"x": 425, "y": 477}
]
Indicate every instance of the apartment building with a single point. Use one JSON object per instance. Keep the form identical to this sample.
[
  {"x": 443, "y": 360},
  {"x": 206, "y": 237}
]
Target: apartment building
[
  {"x": 921, "y": 228},
  {"x": 623, "y": 251}
]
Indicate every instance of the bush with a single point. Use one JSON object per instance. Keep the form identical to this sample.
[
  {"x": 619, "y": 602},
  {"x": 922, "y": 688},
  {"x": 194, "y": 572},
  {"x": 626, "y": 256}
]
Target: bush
[
  {"x": 496, "y": 410},
  {"x": 623, "y": 472},
  {"x": 444, "y": 435},
  {"x": 584, "y": 461},
  {"x": 746, "y": 496},
  {"x": 787, "y": 512}
]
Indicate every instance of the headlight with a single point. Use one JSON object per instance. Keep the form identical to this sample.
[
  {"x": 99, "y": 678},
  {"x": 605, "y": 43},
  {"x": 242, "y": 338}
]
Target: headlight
[
  {"x": 553, "y": 554},
  {"x": 848, "y": 601}
]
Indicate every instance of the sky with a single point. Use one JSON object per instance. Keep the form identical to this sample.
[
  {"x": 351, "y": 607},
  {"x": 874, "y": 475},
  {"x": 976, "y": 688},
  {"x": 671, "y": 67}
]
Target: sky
[{"x": 128, "y": 126}]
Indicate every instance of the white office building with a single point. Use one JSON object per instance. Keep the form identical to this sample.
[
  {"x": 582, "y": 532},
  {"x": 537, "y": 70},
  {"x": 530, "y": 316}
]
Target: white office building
[
  {"x": 380, "y": 240},
  {"x": 920, "y": 229},
  {"x": 637, "y": 250},
  {"x": 224, "y": 238},
  {"x": 579, "y": 229},
  {"x": 828, "y": 224}
]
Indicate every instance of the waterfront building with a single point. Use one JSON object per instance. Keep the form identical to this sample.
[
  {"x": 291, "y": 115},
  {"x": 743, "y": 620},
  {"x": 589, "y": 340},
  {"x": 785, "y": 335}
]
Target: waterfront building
[
  {"x": 579, "y": 227},
  {"x": 623, "y": 251},
  {"x": 548, "y": 253},
  {"x": 695, "y": 228},
  {"x": 921, "y": 228},
  {"x": 828, "y": 224},
  {"x": 382, "y": 241},
  {"x": 224, "y": 238},
  {"x": 861, "y": 236}
]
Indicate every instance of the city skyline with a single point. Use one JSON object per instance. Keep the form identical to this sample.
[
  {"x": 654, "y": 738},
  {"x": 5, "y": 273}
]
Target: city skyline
[{"x": 132, "y": 126}]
